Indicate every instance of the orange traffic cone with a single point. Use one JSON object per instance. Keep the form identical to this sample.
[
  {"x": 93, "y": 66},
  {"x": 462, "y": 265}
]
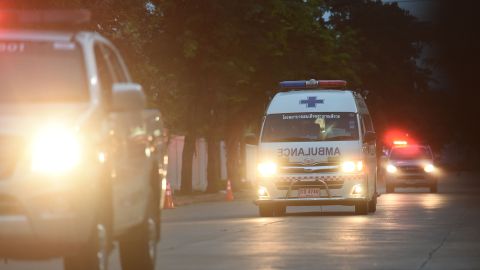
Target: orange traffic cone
[
  {"x": 168, "y": 198},
  {"x": 229, "y": 195}
]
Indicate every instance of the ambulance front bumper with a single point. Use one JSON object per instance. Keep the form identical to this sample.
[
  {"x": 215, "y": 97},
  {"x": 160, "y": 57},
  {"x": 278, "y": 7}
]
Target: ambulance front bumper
[
  {"x": 331, "y": 189},
  {"x": 310, "y": 201}
]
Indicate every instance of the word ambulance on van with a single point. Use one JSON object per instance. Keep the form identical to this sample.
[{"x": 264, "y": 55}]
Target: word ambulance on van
[{"x": 317, "y": 147}]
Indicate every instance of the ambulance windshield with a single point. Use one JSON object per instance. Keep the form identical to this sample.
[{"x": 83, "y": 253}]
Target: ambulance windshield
[
  {"x": 41, "y": 72},
  {"x": 303, "y": 127},
  {"x": 410, "y": 153}
]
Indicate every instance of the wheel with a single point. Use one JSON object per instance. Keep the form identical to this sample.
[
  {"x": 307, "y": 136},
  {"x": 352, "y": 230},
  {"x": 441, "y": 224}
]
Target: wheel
[
  {"x": 390, "y": 188},
  {"x": 157, "y": 198},
  {"x": 433, "y": 187},
  {"x": 361, "y": 208},
  {"x": 372, "y": 205},
  {"x": 279, "y": 210},
  {"x": 94, "y": 255},
  {"x": 265, "y": 210},
  {"x": 138, "y": 247}
]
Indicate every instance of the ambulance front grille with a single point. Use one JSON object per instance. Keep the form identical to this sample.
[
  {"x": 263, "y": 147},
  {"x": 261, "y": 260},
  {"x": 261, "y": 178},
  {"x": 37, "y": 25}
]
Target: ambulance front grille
[
  {"x": 285, "y": 185},
  {"x": 308, "y": 169},
  {"x": 308, "y": 163},
  {"x": 305, "y": 180}
]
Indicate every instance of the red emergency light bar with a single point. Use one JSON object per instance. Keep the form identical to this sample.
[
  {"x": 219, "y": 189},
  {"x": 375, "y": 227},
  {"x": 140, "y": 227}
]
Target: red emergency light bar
[
  {"x": 22, "y": 18},
  {"x": 400, "y": 142},
  {"x": 313, "y": 84}
]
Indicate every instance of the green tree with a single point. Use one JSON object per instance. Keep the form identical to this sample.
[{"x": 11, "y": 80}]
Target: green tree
[{"x": 389, "y": 42}]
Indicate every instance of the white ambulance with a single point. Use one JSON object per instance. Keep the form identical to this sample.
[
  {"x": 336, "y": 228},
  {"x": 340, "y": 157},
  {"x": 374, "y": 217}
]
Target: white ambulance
[{"x": 317, "y": 147}]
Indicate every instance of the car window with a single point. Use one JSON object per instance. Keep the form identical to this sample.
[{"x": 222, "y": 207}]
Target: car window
[
  {"x": 367, "y": 122},
  {"x": 410, "y": 153},
  {"x": 42, "y": 72},
  {"x": 105, "y": 75},
  {"x": 115, "y": 64}
]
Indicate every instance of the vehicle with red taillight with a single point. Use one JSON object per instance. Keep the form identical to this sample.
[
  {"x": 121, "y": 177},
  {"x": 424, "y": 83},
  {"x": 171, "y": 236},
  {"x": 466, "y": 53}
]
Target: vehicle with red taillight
[{"x": 410, "y": 166}]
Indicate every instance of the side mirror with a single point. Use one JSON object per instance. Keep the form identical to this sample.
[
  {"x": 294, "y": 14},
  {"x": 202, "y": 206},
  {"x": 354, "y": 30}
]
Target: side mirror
[
  {"x": 127, "y": 97},
  {"x": 369, "y": 136},
  {"x": 251, "y": 139}
]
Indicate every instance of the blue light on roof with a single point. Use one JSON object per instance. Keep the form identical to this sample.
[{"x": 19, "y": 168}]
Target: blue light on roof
[
  {"x": 321, "y": 84},
  {"x": 293, "y": 84}
]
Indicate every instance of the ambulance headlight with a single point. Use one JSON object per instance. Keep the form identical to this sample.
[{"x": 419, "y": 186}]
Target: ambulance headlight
[
  {"x": 55, "y": 150},
  {"x": 267, "y": 169},
  {"x": 262, "y": 192},
  {"x": 352, "y": 166},
  {"x": 429, "y": 168},
  {"x": 391, "y": 168}
]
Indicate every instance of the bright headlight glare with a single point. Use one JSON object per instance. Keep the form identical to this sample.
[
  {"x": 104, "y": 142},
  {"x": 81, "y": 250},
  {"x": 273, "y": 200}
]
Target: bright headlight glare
[
  {"x": 357, "y": 189},
  {"x": 262, "y": 192},
  {"x": 429, "y": 168},
  {"x": 391, "y": 168},
  {"x": 267, "y": 169},
  {"x": 352, "y": 166},
  {"x": 55, "y": 150}
]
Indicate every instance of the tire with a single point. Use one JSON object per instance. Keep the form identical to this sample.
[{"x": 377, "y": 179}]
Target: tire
[
  {"x": 94, "y": 255},
  {"x": 280, "y": 210},
  {"x": 433, "y": 187},
  {"x": 372, "y": 205},
  {"x": 157, "y": 198},
  {"x": 265, "y": 210},
  {"x": 361, "y": 208},
  {"x": 139, "y": 246},
  {"x": 390, "y": 188}
]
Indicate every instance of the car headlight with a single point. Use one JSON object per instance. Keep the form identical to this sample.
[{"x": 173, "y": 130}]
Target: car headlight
[
  {"x": 429, "y": 168},
  {"x": 391, "y": 168},
  {"x": 267, "y": 169},
  {"x": 55, "y": 150},
  {"x": 352, "y": 166}
]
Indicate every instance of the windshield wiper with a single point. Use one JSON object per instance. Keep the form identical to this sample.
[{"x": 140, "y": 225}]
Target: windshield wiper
[
  {"x": 293, "y": 139},
  {"x": 339, "y": 138}
]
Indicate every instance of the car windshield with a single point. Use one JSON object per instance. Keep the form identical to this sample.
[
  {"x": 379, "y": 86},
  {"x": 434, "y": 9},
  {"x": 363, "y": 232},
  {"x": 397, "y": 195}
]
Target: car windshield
[
  {"x": 410, "y": 153},
  {"x": 302, "y": 127},
  {"x": 41, "y": 72}
]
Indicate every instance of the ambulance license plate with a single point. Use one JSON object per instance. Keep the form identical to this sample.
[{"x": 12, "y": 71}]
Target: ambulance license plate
[{"x": 308, "y": 192}]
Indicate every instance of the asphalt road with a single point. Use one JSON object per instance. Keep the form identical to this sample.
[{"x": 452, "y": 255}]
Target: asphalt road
[{"x": 411, "y": 229}]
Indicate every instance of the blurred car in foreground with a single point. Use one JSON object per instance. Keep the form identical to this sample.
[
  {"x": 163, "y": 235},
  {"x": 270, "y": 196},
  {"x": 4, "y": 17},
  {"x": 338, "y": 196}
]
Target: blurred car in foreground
[
  {"x": 410, "y": 166},
  {"x": 79, "y": 168}
]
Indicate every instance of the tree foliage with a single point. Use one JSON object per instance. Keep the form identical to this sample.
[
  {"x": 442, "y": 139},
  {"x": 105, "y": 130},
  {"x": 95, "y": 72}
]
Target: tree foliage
[{"x": 210, "y": 66}]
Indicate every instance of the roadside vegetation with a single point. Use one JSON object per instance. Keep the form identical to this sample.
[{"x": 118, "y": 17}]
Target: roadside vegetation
[{"x": 211, "y": 66}]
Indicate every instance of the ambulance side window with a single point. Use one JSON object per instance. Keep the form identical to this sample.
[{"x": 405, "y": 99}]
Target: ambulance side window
[
  {"x": 367, "y": 122},
  {"x": 104, "y": 75},
  {"x": 361, "y": 126}
]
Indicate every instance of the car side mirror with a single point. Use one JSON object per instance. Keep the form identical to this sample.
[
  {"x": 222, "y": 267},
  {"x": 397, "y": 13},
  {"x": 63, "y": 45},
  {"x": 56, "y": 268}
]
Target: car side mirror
[
  {"x": 251, "y": 139},
  {"x": 127, "y": 97},
  {"x": 369, "y": 136}
]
